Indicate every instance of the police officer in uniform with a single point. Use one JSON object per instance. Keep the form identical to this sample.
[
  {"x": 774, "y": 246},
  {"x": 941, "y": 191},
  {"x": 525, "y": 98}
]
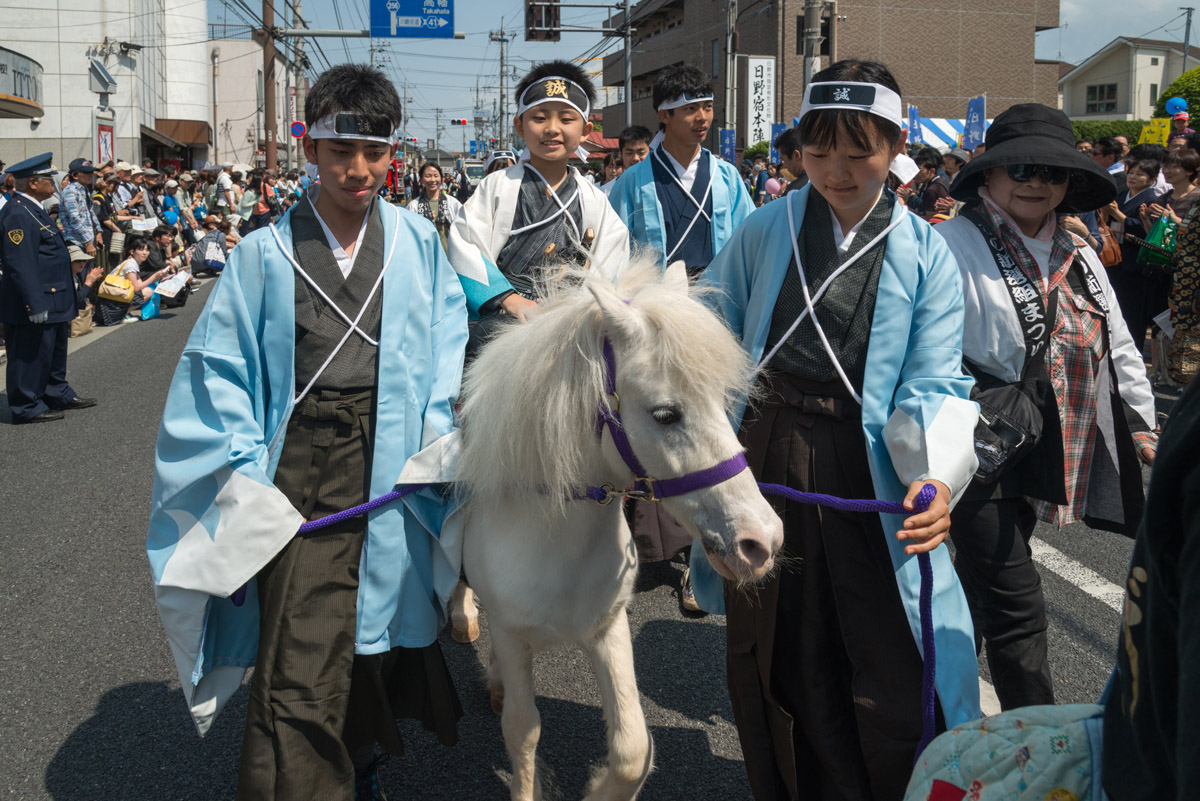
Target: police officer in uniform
[{"x": 37, "y": 299}]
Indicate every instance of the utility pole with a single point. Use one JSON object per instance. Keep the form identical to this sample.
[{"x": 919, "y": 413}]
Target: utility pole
[
  {"x": 503, "y": 40},
  {"x": 812, "y": 37},
  {"x": 268, "y": 15},
  {"x": 730, "y": 64},
  {"x": 301, "y": 82},
  {"x": 628, "y": 63},
  {"x": 437, "y": 130},
  {"x": 1187, "y": 35}
]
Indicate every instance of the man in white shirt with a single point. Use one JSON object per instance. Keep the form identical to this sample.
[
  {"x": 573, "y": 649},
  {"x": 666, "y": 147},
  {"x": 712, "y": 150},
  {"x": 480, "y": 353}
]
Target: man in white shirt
[{"x": 225, "y": 189}]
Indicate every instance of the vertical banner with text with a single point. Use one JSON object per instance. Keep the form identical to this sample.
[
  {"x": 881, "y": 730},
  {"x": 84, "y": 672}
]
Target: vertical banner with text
[
  {"x": 976, "y": 124},
  {"x": 776, "y": 129},
  {"x": 915, "y": 134},
  {"x": 760, "y": 98},
  {"x": 729, "y": 145}
]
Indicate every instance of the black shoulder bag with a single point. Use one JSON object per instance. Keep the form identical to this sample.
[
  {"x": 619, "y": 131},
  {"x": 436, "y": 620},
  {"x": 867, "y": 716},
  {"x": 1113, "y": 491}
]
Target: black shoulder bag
[{"x": 1010, "y": 418}]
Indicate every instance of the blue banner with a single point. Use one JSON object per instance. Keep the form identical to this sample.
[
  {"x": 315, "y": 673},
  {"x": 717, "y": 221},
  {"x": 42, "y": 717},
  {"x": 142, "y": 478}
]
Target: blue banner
[
  {"x": 976, "y": 122},
  {"x": 729, "y": 145},
  {"x": 424, "y": 19},
  {"x": 776, "y": 129},
  {"x": 914, "y": 126},
  {"x": 473, "y": 147}
]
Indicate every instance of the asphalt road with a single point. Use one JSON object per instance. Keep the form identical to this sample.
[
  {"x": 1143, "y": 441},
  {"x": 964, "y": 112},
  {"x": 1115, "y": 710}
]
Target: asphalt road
[{"x": 90, "y": 706}]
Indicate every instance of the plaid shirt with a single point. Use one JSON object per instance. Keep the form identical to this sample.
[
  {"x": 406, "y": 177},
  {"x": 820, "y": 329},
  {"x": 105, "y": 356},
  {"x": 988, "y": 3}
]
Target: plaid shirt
[
  {"x": 1077, "y": 349},
  {"x": 76, "y": 216}
]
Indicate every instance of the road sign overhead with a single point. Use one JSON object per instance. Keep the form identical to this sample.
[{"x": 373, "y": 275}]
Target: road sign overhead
[{"x": 412, "y": 18}]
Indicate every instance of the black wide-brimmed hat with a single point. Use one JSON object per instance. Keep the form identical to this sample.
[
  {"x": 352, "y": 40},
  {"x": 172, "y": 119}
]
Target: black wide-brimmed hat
[{"x": 1030, "y": 133}]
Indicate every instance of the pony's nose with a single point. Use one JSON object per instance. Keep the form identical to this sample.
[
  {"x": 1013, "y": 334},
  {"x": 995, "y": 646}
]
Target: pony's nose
[{"x": 754, "y": 551}]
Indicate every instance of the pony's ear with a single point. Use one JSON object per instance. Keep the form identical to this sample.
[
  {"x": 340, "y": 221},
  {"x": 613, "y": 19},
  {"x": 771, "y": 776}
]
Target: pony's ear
[
  {"x": 676, "y": 278},
  {"x": 619, "y": 317}
]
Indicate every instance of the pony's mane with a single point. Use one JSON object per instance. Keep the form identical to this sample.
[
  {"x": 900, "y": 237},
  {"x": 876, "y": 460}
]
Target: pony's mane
[{"x": 530, "y": 398}]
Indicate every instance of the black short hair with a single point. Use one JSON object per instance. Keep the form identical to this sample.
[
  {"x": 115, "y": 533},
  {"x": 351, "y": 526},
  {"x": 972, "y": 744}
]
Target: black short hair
[
  {"x": 135, "y": 243},
  {"x": 632, "y": 134},
  {"x": 1192, "y": 141},
  {"x": 1188, "y": 162},
  {"x": 163, "y": 230},
  {"x": 1149, "y": 166},
  {"x": 1082, "y": 142},
  {"x": 1108, "y": 146},
  {"x": 678, "y": 80},
  {"x": 1146, "y": 150},
  {"x": 788, "y": 142},
  {"x": 435, "y": 165},
  {"x": 357, "y": 89},
  {"x": 558, "y": 69},
  {"x": 927, "y": 157},
  {"x": 869, "y": 132}
]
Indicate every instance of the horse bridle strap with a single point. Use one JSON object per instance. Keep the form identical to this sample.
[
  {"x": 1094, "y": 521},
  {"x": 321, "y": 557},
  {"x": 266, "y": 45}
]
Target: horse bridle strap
[{"x": 645, "y": 487}]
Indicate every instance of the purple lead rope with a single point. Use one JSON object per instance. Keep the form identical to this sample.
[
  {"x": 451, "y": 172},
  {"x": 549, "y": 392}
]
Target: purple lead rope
[
  {"x": 920, "y": 504},
  {"x": 928, "y": 649}
]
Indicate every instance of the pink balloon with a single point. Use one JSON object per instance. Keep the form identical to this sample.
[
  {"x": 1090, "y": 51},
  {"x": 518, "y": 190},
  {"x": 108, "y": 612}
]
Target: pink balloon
[{"x": 773, "y": 186}]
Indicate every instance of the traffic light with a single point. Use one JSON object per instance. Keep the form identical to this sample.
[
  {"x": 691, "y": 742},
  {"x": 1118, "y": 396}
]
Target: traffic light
[
  {"x": 458, "y": 122},
  {"x": 543, "y": 20},
  {"x": 492, "y": 141}
]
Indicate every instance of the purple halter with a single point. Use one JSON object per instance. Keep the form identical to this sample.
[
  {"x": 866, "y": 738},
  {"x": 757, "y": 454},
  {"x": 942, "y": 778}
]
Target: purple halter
[{"x": 645, "y": 487}]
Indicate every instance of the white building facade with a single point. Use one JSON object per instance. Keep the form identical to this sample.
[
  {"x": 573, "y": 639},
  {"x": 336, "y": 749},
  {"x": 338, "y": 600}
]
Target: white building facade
[
  {"x": 124, "y": 79},
  {"x": 1124, "y": 79}
]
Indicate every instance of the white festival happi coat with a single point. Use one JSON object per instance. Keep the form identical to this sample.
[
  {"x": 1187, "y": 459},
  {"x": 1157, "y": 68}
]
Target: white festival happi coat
[{"x": 485, "y": 224}]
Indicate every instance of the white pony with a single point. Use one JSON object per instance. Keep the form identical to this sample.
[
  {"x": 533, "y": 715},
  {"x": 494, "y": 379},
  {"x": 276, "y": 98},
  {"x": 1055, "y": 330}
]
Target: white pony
[{"x": 552, "y": 568}]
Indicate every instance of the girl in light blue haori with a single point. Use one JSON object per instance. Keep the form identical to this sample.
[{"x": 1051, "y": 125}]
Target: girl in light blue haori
[{"x": 853, "y": 308}]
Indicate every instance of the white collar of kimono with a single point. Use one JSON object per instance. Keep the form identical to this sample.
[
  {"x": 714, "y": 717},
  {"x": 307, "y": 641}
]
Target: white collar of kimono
[
  {"x": 685, "y": 99},
  {"x": 554, "y": 89},
  {"x": 873, "y": 98},
  {"x": 810, "y": 299},
  {"x": 343, "y": 125},
  {"x": 353, "y": 327},
  {"x": 562, "y": 207}
]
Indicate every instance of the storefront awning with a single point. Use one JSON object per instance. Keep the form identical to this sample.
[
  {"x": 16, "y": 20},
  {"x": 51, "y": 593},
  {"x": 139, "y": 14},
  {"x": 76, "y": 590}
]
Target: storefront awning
[
  {"x": 194, "y": 133},
  {"x": 160, "y": 138}
]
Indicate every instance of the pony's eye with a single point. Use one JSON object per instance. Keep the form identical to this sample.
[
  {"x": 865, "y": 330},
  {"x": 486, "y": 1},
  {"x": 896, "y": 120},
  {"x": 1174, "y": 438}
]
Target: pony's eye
[{"x": 667, "y": 415}]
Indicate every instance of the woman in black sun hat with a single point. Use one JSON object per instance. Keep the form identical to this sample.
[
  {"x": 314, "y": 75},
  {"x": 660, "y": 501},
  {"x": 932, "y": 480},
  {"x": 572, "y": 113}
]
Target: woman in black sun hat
[{"x": 1049, "y": 349}]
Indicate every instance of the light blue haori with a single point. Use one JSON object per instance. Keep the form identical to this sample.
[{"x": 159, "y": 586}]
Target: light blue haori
[
  {"x": 635, "y": 198},
  {"x": 916, "y": 415},
  {"x": 217, "y": 518}
]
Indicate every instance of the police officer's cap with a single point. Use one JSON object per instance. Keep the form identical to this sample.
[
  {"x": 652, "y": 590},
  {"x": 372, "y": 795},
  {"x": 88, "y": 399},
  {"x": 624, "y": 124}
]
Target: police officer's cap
[
  {"x": 38, "y": 165},
  {"x": 81, "y": 165}
]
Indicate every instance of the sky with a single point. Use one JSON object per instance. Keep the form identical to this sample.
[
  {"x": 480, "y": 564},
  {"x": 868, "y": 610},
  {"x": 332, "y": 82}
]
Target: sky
[{"x": 442, "y": 73}]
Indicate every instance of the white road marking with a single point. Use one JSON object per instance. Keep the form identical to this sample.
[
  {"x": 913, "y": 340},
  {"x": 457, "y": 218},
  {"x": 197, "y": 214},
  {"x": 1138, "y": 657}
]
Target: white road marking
[
  {"x": 1050, "y": 558},
  {"x": 1084, "y": 578},
  {"x": 987, "y": 698}
]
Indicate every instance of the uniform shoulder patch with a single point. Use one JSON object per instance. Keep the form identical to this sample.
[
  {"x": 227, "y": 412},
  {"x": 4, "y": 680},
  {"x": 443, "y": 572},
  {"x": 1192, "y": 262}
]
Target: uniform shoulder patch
[{"x": 16, "y": 235}]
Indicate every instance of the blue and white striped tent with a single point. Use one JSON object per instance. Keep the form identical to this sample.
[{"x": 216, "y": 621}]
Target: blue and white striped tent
[{"x": 941, "y": 132}]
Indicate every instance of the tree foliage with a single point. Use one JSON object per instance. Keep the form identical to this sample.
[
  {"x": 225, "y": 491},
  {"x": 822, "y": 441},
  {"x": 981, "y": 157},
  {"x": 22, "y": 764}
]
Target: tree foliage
[
  {"x": 757, "y": 149},
  {"x": 1186, "y": 86}
]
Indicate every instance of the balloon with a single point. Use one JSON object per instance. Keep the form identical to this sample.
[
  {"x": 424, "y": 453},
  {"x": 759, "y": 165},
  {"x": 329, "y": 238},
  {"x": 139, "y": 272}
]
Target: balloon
[
  {"x": 773, "y": 186},
  {"x": 1176, "y": 105}
]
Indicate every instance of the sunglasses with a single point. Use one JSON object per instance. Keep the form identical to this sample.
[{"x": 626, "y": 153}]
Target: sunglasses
[{"x": 1023, "y": 173}]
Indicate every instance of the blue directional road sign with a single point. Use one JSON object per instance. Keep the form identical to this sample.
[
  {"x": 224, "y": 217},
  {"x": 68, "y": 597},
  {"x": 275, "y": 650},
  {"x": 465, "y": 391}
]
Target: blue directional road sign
[
  {"x": 414, "y": 19},
  {"x": 473, "y": 147}
]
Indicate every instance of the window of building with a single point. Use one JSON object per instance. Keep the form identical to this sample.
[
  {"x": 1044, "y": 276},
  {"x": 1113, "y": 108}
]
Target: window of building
[
  {"x": 1153, "y": 61},
  {"x": 1101, "y": 98},
  {"x": 1153, "y": 93},
  {"x": 716, "y": 58}
]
